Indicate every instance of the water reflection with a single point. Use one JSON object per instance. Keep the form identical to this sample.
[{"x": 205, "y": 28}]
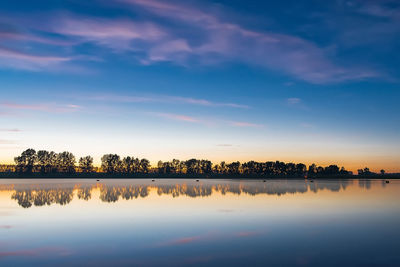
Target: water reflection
[
  {"x": 172, "y": 222},
  {"x": 63, "y": 194}
]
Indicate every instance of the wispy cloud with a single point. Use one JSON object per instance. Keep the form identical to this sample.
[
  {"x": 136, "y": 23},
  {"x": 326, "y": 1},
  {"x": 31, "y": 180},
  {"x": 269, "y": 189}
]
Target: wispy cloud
[
  {"x": 162, "y": 99},
  {"x": 163, "y": 33},
  {"x": 15, "y": 130},
  {"x": 293, "y": 101},
  {"x": 205, "y": 121},
  {"x": 227, "y": 41},
  {"x": 177, "y": 117},
  {"x": 114, "y": 33},
  {"x": 307, "y": 125},
  {"x": 224, "y": 145},
  {"x": 384, "y": 9},
  {"x": 22, "y": 60},
  {"x": 245, "y": 124},
  {"x": 52, "y": 108}
]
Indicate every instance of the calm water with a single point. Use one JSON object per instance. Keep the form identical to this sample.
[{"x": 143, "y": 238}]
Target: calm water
[{"x": 184, "y": 222}]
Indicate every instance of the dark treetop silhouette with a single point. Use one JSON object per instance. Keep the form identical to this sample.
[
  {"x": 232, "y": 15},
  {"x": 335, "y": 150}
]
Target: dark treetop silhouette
[{"x": 50, "y": 164}]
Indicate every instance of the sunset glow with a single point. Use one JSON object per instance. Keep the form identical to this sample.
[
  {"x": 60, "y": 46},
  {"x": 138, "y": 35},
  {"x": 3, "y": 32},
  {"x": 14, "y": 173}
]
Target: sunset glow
[{"x": 215, "y": 80}]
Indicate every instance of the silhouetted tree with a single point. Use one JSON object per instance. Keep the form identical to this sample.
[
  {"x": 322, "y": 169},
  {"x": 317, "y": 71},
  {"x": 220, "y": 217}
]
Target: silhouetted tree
[
  {"x": 111, "y": 163},
  {"x": 128, "y": 165},
  {"x": 66, "y": 162},
  {"x": 45, "y": 162},
  {"x": 233, "y": 168},
  {"x": 86, "y": 164},
  {"x": 192, "y": 166},
  {"x": 26, "y": 162},
  {"x": 206, "y": 166},
  {"x": 312, "y": 171},
  {"x": 144, "y": 165},
  {"x": 42, "y": 160}
]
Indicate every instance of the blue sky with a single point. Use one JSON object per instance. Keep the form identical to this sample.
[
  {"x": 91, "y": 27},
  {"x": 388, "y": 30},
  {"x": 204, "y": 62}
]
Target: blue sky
[{"x": 314, "y": 81}]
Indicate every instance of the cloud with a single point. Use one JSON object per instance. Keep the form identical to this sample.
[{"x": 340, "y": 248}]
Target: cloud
[
  {"x": 225, "y": 41},
  {"x": 307, "y": 125},
  {"x": 177, "y": 117},
  {"x": 52, "y": 108},
  {"x": 293, "y": 101},
  {"x": 6, "y": 226},
  {"x": 164, "y": 33},
  {"x": 114, "y": 33},
  {"x": 383, "y": 9},
  {"x": 224, "y": 145},
  {"x": 18, "y": 59},
  {"x": 206, "y": 121},
  {"x": 245, "y": 124},
  {"x": 163, "y": 99},
  {"x": 15, "y": 130},
  {"x": 8, "y": 36}
]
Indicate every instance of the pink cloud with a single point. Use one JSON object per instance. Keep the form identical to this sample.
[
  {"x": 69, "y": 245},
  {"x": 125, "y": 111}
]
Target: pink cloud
[
  {"x": 20, "y": 36},
  {"x": 164, "y": 99},
  {"x": 52, "y": 108},
  {"x": 114, "y": 33},
  {"x": 18, "y": 59},
  {"x": 5, "y": 227},
  {"x": 227, "y": 41},
  {"x": 219, "y": 40},
  {"x": 244, "y": 124},
  {"x": 177, "y": 117},
  {"x": 41, "y": 60}
]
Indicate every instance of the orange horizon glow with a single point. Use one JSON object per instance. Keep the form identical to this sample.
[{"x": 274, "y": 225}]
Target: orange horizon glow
[{"x": 351, "y": 165}]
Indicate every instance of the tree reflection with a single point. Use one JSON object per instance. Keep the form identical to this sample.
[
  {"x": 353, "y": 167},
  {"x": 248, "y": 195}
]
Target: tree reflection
[
  {"x": 42, "y": 197},
  {"x": 27, "y": 198},
  {"x": 84, "y": 193},
  {"x": 112, "y": 194}
]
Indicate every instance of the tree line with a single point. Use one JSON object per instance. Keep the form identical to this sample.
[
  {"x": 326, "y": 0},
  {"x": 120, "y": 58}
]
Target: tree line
[{"x": 49, "y": 162}]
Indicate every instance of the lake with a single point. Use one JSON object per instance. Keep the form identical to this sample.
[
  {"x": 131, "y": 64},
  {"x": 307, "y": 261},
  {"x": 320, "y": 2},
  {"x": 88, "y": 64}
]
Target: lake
[{"x": 169, "y": 222}]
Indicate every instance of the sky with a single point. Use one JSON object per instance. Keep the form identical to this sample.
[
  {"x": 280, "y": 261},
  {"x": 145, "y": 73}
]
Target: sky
[{"x": 309, "y": 81}]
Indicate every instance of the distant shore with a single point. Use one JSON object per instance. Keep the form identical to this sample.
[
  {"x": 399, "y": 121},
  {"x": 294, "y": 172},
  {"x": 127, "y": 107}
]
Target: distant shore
[{"x": 96, "y": 175}]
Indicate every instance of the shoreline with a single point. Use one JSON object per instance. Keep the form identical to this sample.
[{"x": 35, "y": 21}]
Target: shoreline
[{"x": 105, "y": 176}]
